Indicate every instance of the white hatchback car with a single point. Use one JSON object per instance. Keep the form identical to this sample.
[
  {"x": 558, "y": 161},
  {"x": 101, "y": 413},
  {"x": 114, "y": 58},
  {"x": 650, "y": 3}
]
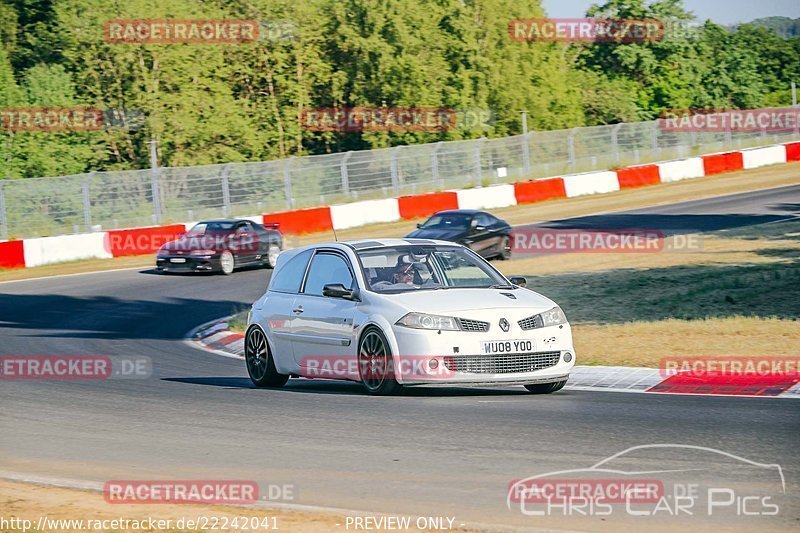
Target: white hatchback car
[{"x": 403, "y": 312}]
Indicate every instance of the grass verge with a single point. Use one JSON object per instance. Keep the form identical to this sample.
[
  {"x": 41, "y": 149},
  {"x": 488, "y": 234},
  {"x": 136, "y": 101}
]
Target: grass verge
[{"x": 739, "y": 297}]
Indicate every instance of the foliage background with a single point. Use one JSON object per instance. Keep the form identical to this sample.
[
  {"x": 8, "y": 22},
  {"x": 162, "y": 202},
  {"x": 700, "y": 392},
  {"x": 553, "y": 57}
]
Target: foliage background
[{"x": 215, "y": 103}]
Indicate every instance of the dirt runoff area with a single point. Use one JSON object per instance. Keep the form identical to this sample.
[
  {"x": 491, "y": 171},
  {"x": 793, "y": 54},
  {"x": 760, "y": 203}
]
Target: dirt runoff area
[{"x": 28, "y": 507}]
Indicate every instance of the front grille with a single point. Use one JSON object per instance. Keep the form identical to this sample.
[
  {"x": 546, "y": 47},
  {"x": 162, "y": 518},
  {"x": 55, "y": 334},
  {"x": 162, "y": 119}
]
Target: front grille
[
  {"x": 473, "y": 325},
  {"x": 501, "y": 364},
  {"x": 532, "y": 322}
]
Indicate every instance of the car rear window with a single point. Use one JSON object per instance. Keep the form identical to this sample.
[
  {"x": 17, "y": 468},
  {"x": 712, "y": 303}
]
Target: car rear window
[
  {"x": 204, "y": 227},
  {"x": 455, "y": 220}
]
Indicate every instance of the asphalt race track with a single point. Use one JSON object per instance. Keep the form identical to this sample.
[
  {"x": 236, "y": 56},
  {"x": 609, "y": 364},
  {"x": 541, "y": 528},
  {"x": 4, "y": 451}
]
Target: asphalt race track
[
  {"x": 428, "y": 452},
  {"x": 711, "y": 214}
]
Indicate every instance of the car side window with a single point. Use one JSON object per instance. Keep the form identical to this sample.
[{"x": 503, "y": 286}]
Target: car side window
[
  {"x": 483, "y": 219},
  {"x": 327, "y": 268},
  {"x": 289, "y": 277},
  {"x": 251, "y": 228}
]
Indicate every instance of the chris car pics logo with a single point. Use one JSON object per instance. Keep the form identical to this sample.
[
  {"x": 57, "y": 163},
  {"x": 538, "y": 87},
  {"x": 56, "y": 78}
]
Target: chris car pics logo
[{"x": 664, "y": 480}]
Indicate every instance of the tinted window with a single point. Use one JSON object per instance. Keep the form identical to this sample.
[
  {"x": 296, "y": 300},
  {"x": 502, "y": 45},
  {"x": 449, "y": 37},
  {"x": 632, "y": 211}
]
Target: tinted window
[
  {"x": 447, "y": 221},
  {"x": 289, "y": 277},
  {"x": 247, "y": 227},
  {"x": 326, "y": 269},
  {"x": 484, "y": 219},
  {"x": 204, "y": 227}
]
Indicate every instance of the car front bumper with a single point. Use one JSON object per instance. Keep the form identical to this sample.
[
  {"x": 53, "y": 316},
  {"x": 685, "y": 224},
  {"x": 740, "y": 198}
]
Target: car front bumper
[
  {"x": 185, "y": 263},
  {"x": 455, "y": 358}
]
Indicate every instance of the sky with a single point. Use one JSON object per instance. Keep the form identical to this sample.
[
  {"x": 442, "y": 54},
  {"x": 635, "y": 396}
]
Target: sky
[{"x": 720, "y": 11}]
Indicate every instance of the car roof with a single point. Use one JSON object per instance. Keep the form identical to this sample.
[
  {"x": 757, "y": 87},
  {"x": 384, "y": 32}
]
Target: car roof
[
  {"x": 360, "y": 244},
  {"x": 460, "y": 212},
  {"x": 363, "y": 244},
  {"x": 224, "y": 220}
]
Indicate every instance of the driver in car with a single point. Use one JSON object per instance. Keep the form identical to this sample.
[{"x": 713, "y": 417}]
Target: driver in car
[{"x": 404, "y": 274}]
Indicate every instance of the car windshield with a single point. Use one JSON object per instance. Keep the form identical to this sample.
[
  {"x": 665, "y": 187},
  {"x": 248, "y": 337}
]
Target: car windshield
[
  {"x": 413, "y": 268},
  {"x": 208, "y": 227},
  {"x": 447, "y": 221}
]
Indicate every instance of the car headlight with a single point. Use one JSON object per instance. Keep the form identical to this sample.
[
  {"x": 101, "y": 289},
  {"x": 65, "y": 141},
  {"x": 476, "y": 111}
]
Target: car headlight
[
  {"x": 553, "y": 317},
  {"x": 202, "y": 252},
  {"x": 423, "y": 321}
]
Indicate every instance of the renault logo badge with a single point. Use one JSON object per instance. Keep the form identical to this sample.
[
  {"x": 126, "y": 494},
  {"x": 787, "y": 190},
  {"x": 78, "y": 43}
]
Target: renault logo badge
[{"x": 504, "y": 325}]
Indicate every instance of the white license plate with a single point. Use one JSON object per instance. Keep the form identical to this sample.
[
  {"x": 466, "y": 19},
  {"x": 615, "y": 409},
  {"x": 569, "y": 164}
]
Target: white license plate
[
  {"x": 511, "y": 346},
  {"x": 177, "y": 260}
]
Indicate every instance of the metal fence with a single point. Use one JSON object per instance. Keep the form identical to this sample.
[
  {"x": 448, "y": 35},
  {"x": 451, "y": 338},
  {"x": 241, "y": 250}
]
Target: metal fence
[{"x": 108, "y": 200}]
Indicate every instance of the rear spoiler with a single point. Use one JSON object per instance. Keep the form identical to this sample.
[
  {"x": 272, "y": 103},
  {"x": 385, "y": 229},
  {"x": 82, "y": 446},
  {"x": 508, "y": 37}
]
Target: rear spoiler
[{"x": 272, "y": 225}]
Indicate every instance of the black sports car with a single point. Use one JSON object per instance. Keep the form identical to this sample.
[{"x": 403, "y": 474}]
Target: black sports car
[
  {"x": 221, "y": 246},
  {"x": 482, "y": 232}
]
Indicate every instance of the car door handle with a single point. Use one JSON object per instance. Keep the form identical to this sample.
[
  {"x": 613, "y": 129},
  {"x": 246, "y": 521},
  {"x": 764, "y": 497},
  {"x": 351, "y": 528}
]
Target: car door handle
[{"x": 298, "y": 309}]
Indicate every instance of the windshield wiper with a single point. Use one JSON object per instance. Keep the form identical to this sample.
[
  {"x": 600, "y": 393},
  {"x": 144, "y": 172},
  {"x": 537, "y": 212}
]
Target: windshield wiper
[{"x": 502, "y": 286}]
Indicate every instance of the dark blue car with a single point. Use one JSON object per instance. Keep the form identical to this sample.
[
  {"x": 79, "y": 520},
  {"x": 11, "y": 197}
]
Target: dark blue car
[{"x": 480, "y": 231}]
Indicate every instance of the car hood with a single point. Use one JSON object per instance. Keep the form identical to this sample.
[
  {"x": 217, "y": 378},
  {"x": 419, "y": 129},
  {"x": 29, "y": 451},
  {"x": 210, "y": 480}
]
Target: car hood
[
  {"x": 449, "y": 301},
  {"x": 438, "y": 234}
]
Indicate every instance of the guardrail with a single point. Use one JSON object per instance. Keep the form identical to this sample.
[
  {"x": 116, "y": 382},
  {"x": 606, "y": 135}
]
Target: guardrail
[
  {"x": 107, "y": 200},
  {"x": 136, "y": 241}
]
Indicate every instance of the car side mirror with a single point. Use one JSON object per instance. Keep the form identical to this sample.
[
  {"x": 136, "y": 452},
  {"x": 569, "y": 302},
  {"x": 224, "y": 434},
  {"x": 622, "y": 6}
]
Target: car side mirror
[
  {"x": 419, "y": 225},
  {"x": 518, "y": 281},
  {"x": 480, "y": 227},
  {"x": 337, "y": 290}
]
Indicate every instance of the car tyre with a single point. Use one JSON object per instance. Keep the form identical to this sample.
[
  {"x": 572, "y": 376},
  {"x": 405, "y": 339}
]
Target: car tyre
[
  {"x": 505, "y": 248},
  {"x": 227, "y": 262},
  {"x": 376, "y": 364},
  {"x": 259, "y": 361},
  {"x": 273, "y": 250},
  {"x": 545, "y": 388}
]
